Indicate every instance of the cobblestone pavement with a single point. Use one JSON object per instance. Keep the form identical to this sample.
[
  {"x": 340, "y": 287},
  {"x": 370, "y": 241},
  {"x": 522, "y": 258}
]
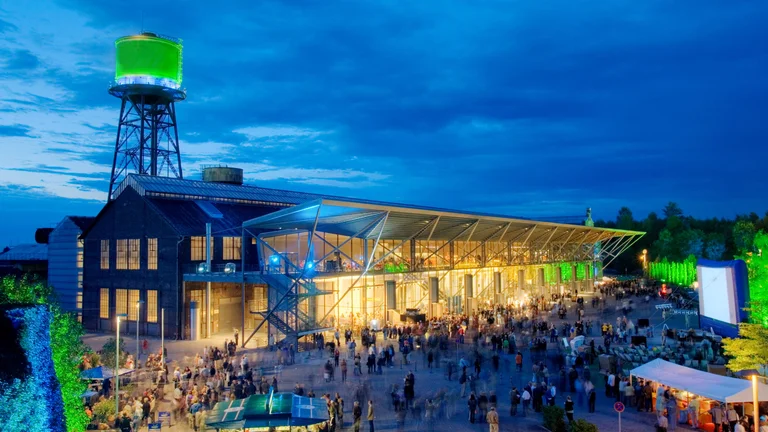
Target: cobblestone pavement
[{"x": 308, "y": 372}]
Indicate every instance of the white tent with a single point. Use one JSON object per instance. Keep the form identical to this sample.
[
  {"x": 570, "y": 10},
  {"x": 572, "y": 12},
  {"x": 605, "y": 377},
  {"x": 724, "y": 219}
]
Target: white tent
[{"x": 708, "y": 385}]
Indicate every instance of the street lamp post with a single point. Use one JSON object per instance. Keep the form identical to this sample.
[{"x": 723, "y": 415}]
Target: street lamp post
[
  {"x": 138, "y": 318},
  {"x": 755, "y": 403},
  {"x": 645, "y": 259},
  {"x": 116, "y": 375}
]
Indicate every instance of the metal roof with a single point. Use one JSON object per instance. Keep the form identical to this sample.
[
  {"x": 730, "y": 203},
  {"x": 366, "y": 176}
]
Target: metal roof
[
  {"x": 365, "y": 220},
  {"x": 167, "y": 187},
  {"x": 26, "y": 252}
]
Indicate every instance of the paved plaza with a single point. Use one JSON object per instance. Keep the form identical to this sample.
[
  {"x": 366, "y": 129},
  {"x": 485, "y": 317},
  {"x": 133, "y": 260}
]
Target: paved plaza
[{"x": 454, "y": 415}]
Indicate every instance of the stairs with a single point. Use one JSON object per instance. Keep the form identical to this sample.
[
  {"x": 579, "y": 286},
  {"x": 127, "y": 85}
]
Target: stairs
[{"x": 288, "y": 316}]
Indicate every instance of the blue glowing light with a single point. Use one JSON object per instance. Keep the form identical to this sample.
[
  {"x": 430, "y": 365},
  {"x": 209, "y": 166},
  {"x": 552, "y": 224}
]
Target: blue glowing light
[{"x": 274, "y": 259}]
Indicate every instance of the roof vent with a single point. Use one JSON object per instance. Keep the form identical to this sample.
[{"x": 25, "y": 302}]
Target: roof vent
[{"x": 223, "y": 174}]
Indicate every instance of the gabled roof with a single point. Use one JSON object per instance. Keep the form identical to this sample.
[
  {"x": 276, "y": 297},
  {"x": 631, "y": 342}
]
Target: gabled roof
[{"x": 82, "y": 222}]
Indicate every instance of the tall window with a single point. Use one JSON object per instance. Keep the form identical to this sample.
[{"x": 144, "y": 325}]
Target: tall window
[
  {"x": 134, "y": 252},
  {"x": 104, "y": 303},
  {"x": 152, "y": 254},
  {"x": 122, "y": 255},
  {"x": 105, "y": 254},
  {"x": 198, "y": 248},
  {"x": 121, "y": 301},
  {"x": 80, "y": 279},
  {"x": 152, "y": 306},
  {"x": 133, "y": 299},
  {"x": 231, "y": 248},
  {"x": 79, "y": 253},
  {"x": 79, "y": 301}
]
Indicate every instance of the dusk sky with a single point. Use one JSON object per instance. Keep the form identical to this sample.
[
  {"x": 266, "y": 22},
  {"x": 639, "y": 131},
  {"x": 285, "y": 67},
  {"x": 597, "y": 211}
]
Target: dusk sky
[{"x": 528, "y": 108}]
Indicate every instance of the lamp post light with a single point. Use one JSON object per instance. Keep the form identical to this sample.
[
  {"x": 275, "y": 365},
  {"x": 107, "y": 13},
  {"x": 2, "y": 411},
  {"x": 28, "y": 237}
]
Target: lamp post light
[
  {"x": 645, "y": 259},
  {"x": 755, "y": 403},
  {"x": 138, "y": 318},
  {"x": 116, "y": 375}
]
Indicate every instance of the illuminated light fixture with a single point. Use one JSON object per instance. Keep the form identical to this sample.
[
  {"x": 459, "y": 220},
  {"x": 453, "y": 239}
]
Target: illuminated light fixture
[
  {"x": 310, "y": 265},
  {"x": 202, "y": 268},
  {"x": 230, "y": 268},
  {"x": 274, "y": 259}
]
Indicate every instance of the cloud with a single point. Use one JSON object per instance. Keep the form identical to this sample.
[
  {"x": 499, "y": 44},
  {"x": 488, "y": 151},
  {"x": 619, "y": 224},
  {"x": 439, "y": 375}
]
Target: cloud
[
  {"x": 522, "y": 107},
  {"x": 14, "y": 130}
]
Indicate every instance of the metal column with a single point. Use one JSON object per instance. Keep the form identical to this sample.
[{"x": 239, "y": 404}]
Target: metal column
[{"x": 208, "y": 283}]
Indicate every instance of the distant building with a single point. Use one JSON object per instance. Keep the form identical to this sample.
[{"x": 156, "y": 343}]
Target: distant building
[
  {"x": 31, "y": 258},
  {"x": 65, "y": 261}
]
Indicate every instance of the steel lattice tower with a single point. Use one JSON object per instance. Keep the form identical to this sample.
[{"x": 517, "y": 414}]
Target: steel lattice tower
[{"x": 148, "y": 83}]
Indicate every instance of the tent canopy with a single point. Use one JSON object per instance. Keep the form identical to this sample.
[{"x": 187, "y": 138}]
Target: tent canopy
[
  {"x": 271, "y": 410},
  {"x": 708, "y": 385},
  {"x": 102, "y": 373}
]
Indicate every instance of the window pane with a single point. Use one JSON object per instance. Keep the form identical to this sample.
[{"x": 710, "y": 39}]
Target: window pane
[
  {"x": 231, "y": 248},
  {"x": 79, "y": 258},
  {"x": 152, "y": 254},
  {"x": 133, "y": 299},
  {"x": 80, "y": 279},
  {"x": 105, "y": 254},
  {"x": 198, "y": 248},
  {"x": 104, "y": 303},
  {"x": 121, "y": 301},
  {"x": 122, "y": 254},
  {"x": 152, "y": 306},
  {"x": 134, "y": 251}
]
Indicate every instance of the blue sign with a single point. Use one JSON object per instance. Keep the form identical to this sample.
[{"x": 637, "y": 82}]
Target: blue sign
[
  {"x": 164, "y": 417},
  {"x": 155, "y": 426}
]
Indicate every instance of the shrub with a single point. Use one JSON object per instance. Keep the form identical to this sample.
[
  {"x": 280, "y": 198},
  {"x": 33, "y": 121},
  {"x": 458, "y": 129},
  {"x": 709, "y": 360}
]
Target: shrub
[
  {"x": 107, "y": 354},
  {"x": 104, "y": 410},
  {"x": 553, "y": 419},
  {"x": 582, "y": 425}
]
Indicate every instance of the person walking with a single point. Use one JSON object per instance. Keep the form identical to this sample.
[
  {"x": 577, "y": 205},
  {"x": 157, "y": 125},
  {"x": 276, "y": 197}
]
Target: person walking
[
  {"x": 733, "y": 417},
  {"x": 370, "y": 415},
  {"x": 514, "y": 397},
  {"x": 693, "y": 412},
  {"x": 526, "y": 398},
  {"x": 343, "y": 370},
  {"x": 357, "y": 414},
  {"x": 472, "y": 405},
  {"x": 493, "y": 420},
  {"x": 569, "y": 409}
]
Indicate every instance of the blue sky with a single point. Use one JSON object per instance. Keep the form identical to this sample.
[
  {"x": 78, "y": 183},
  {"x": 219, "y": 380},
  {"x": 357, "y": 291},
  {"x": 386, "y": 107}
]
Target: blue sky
[{"x": 518, "y": 107}]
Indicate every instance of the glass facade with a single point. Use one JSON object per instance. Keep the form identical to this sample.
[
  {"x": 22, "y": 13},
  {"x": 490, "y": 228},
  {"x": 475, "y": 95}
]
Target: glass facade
[
  {"x": 152, "y": 306},
  {"x": 410, "y": 265}
]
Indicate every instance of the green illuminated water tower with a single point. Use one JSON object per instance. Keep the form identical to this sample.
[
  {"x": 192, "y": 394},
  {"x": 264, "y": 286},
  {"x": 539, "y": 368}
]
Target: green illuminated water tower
[{"x": 148, "y": 82}]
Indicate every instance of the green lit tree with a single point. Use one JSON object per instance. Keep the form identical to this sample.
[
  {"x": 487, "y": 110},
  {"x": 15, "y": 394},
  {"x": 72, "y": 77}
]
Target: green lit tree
[
  {"x": 757, "y": 268},
  {"x": 744, "y": 236},
  {"x": 66, "y": 343},
  {"x": 750, "y": 349}
]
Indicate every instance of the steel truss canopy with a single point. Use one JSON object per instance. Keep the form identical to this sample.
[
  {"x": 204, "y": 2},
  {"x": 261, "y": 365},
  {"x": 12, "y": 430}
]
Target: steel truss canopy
[{"x": 363, "y": 220}]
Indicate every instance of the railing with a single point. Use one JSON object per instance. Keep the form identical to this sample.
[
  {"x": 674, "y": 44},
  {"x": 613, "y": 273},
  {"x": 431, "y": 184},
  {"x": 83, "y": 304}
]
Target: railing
[{"x": 219, "y": 268}]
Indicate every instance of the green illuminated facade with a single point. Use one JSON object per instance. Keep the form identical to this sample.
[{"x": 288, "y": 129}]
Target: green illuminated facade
[{"x": 148, "y": 56}]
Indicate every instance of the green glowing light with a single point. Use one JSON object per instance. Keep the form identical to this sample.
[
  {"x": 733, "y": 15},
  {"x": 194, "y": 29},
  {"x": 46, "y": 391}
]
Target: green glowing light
[
  {"x": 148, "y": 56},
  {"x": 679, "y": 273}
]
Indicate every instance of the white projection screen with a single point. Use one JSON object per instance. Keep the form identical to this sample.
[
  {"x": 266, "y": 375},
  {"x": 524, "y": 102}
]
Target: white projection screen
[{"x": 717, "y": 294}]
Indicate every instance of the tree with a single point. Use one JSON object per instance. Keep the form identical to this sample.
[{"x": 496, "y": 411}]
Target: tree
[
  {"x": 553, "y": 418},
  {"x": 624, "y": 220},
  {"x": 66, "y": 344},
  {"x": 108, "y": 353},
  {"x": 715, "y": 246},
  {"x": 672, "y": 210},
  {"x": 691, "y": 242},
  {"x": 743, "y": 236},
  {"x": 749, "y": 350},
  {"x": 757, "y": 269}
]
